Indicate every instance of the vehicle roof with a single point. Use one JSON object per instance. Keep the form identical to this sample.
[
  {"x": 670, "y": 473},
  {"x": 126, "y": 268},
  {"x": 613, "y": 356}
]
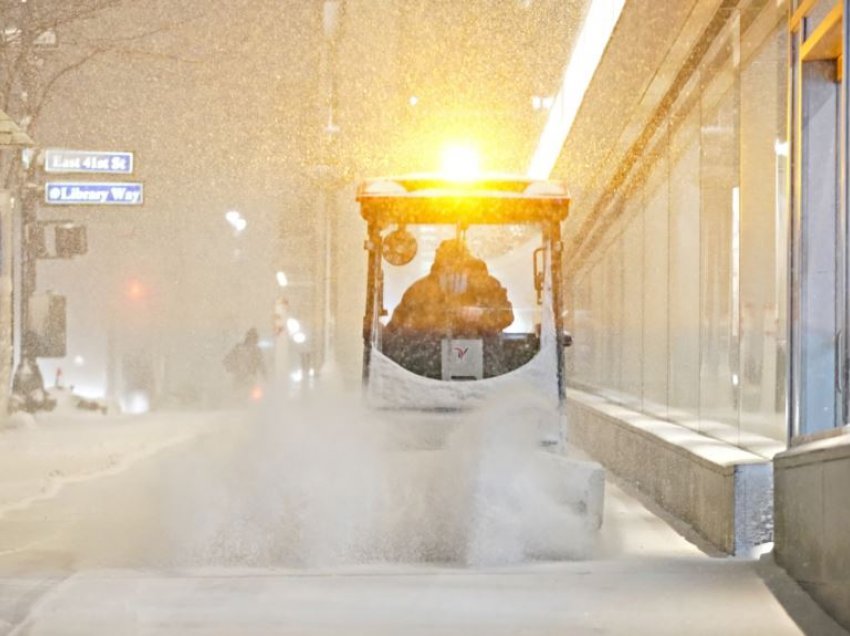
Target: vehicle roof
[
  {"x": 490, "y": 185},
  {"x": 492, "y": 199}
]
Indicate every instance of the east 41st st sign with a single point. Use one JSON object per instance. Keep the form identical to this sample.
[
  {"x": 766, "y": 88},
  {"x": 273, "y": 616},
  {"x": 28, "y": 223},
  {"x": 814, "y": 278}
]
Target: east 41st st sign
[
  {"x": 90, "y": 161},
  {"x": 89, "y": 193}
]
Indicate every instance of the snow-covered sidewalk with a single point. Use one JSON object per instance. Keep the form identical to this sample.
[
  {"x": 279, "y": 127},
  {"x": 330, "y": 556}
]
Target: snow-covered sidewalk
[
  {"x": 645, "y": 580},
  {"x": 192, "y": 540}
]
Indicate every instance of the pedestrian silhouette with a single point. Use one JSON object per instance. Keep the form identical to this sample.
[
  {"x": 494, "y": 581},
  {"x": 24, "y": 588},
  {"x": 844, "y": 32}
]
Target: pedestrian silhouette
[{"x": 245, "y": 361}]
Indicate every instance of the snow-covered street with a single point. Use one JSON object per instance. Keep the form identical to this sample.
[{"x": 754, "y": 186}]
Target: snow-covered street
[
  {"x": 93, "y": 553},
  {"x": 40, "y": 457}
]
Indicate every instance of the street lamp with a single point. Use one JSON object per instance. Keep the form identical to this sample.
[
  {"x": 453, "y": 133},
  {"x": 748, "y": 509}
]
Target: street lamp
[
  {"x": 328, "y": 173},
  {"x": 236, "y": 221},
  {"x": 293, "y": 326}
]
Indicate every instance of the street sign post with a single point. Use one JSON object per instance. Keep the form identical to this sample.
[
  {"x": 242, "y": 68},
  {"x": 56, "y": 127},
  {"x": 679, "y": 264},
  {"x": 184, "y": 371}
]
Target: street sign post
[
  {"x": 87, "y": 161},
  {"x": 92, "y": 193}
]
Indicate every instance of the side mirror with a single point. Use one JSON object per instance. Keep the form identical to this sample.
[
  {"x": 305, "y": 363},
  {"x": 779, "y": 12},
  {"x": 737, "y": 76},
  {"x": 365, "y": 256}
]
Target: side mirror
[{"x": 539, "y": 255}]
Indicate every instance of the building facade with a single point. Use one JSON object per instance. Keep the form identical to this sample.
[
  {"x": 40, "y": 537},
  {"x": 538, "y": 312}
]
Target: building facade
[{"x": 707, "y": 273}]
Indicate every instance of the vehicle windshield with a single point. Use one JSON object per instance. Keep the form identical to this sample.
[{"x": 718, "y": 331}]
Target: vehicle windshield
[{"x": 468, "y": 290}]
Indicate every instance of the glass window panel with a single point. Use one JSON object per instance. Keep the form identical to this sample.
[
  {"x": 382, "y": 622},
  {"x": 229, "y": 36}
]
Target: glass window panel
[
  {"x": 720, "y": 246},
  {"x": 580, "y": 355},
  {"x": 597, "y": 318},
  {"x": 633, "y": 299},
  {"x": 684, "y": 281},
  {"x": 613, "y": 316},
  {"x": 655, "y": 264},
  {"x": 763, "y": 251}
]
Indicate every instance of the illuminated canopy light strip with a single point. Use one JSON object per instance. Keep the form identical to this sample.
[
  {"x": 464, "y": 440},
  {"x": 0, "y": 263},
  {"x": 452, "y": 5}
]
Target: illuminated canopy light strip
[
  {"x": 592, "y": 41},
  {"x": 460, "y": 163}
]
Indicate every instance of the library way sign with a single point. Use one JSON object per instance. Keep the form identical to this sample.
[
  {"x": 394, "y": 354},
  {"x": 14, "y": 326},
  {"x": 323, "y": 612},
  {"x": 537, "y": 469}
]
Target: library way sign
[{"x": 90, "y": 192}]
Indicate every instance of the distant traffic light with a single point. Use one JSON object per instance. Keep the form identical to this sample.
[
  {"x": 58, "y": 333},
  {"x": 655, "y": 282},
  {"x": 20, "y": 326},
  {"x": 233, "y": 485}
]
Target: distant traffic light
[
  {"x": 56, "y": 239},
  {"x": 135, "y": 290}
]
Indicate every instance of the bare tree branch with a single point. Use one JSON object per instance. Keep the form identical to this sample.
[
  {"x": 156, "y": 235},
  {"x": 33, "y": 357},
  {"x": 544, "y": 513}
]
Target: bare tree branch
[
  {"x": 68, "y": 13},
  {"x": 144, "y": 53},
  {"x": 46, "y": 90},
  {"x": 23, "y": 90},
  {"x": 29, "y": 75}
]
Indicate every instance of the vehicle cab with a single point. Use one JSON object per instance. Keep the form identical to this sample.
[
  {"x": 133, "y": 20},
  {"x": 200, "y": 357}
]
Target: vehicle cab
[{"x": 464, "y": 289}]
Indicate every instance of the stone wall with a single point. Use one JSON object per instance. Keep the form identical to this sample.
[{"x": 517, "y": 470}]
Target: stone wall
[
  {"x": 812, "y": 511},
  {"x": 722, "y": 491}
]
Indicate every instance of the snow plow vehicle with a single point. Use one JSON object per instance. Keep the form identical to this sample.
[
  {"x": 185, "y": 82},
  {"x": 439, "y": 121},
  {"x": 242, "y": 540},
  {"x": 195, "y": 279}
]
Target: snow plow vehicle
[
  {"x": 463, "y": 328},
  {"x": 463, "y": 290}
]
